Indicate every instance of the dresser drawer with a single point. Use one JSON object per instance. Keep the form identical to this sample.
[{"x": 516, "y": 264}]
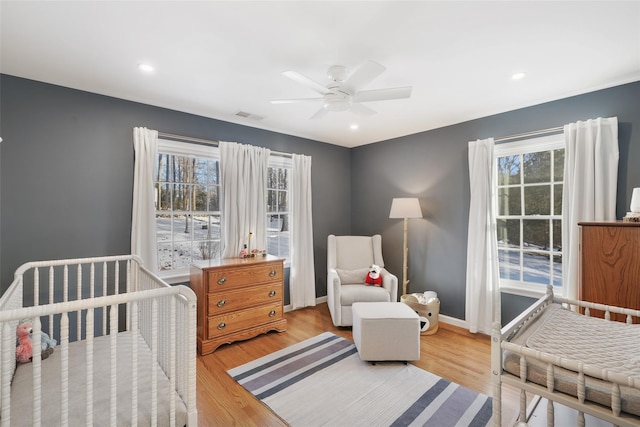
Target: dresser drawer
[
  {"x": 230, "y": 278},
  {"x": 243, "y": 319},
  {"x": 239, "y": 299}
]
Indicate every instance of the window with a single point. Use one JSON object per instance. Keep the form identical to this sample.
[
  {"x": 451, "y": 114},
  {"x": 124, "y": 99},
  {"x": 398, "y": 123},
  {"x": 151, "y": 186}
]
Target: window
[
  {"x": 187, "y": 198},
  {"x": 187, "y": 188},
  {"x": 528, "y": 202},
  {"x": 278, "y": 207}
]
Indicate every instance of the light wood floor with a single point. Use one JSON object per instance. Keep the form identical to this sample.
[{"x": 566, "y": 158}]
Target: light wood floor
[{"x": 452, "y": 353}]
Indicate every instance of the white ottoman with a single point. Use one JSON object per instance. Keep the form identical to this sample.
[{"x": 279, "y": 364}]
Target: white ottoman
[{"x": 386, "y": 331}]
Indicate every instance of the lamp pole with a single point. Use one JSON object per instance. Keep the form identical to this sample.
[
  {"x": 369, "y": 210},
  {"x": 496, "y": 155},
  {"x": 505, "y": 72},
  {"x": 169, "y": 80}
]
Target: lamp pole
[{"x": 405, "y": 281}]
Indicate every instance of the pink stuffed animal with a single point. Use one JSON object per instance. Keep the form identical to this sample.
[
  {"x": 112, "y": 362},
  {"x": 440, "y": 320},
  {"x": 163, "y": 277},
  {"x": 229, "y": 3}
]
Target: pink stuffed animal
[{"x": 24, "y": 350}]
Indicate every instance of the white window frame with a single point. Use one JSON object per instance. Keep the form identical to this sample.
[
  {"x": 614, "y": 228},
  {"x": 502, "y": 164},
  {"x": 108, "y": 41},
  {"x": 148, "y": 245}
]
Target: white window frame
[
  {"x": 279, "y": 161},
  {"x": 530, "y": 145},
  {"x": 184, "y": 149}
]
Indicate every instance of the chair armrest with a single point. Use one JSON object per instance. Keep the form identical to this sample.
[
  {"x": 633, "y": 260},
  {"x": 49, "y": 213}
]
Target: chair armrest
[
  {"x": 390, "y": 283},
  {"x": 333, "y": 295}
]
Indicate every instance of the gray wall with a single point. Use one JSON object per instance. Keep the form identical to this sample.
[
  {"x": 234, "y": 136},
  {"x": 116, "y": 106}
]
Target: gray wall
[
  {"x": 66, "y": 168},
  {"x": 66, "y": 173},
  {"x": 433, "y": 166}
]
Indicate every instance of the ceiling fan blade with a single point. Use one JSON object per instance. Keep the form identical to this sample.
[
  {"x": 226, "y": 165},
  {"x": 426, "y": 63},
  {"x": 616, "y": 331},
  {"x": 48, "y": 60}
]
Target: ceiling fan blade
[
  {"x": 382, "y": 94},
  {"x": 363, "y": 75},
  {"x": 319, "y": 114},
  {"x": 362, "y": 110},
  {"x": 302, "y": 79},
  {"x": 294, "y": 100}
]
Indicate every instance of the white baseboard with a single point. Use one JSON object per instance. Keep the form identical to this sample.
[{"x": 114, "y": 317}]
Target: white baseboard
[{"x": 442, "y": 318}]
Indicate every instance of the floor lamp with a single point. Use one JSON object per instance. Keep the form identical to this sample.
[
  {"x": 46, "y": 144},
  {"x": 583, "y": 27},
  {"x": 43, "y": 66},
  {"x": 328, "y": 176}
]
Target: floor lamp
[{"x": 405, "y": 207}]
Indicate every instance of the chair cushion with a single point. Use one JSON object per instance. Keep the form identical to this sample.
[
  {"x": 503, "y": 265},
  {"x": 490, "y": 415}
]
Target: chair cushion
[
  {"x": 361, "y": 293},
  {"x": 354, "y": 252},
  {"x": 348, "y": 277}
]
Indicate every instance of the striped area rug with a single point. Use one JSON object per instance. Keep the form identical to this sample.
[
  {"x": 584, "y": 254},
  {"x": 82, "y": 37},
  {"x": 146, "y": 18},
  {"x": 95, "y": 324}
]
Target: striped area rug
[{"x": 322, "y": 382}]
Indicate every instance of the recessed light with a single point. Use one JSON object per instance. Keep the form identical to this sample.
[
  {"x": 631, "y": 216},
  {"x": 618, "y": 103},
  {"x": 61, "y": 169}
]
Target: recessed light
[
  {"x": 354, "y": 126},
  {"x": 518, "y": 76},
  {"x": 145, "y": 68}
]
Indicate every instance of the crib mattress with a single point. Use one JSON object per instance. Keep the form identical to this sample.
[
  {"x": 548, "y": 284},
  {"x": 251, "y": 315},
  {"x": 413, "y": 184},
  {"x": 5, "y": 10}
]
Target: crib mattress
[
  {"x": 22, "y": 386},
  {"x": 594, "y": 341}
]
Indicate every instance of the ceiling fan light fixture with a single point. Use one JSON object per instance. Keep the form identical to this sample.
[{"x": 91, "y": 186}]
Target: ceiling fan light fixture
[{"x": 337, "y": 102}]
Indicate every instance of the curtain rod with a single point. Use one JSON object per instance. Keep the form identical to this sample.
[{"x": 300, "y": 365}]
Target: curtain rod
[
  {"x": 208, "y": 142},
  {"x": 529, "y": 134}
]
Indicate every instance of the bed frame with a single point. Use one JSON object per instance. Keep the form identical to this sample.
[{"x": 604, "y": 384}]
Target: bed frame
[
  {"x": 82, "y": 303},
  {"x": 500, "y": 342}
]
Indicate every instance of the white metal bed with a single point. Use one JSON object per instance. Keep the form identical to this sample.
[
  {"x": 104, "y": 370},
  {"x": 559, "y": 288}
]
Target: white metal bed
[
  {"x": 126, "y": 352},
  {"x": 584, "y": 369}
]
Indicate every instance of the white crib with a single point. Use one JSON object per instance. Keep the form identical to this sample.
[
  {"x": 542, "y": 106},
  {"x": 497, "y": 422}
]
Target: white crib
[{"x": 126, "y": 350}]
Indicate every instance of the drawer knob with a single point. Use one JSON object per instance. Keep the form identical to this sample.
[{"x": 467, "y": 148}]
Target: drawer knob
[
  {"x": 272, "y": 293},
  {"x": 272, "y": 273},
  {"x": 222, "y": 280},
  {"x": 222, "y": 303},
  {"x": 272, "y": 313},
  {"x": 222, "y": 325}
]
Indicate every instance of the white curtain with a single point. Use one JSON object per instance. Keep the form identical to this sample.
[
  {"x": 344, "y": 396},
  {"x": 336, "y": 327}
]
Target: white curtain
[
  {"x": 482, "y": 245},
  {"x": 243, "y": 170},
  {"x": 143, "y": 223},
  {"x": 590, "y": 185},
  {"x": 302, "y": 285}
]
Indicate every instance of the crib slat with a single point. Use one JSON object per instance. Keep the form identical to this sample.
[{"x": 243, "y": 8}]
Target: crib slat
[
  {"x": 114, "y": 365},
  {"x": 154, "y": 356},
  {"x": 8, "y": 353},
  {"x": 172, "y": 359},
  {"x": 36, "y": 361},
  {"x": 64, "y": 369},
  {"x": 134, "y": 362},
  {"x": 103, "y": 293},
  {"x": 89, "y": 367},
  {"x": 36, "y": 286},
  {"x": 51, "y": 298},
  {"x": 79, "y": 297}
]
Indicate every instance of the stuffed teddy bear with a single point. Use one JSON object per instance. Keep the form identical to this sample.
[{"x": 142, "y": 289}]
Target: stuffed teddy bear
[
  {"x": 24, "y": 349},
  {"x": 373, "y": 276}
]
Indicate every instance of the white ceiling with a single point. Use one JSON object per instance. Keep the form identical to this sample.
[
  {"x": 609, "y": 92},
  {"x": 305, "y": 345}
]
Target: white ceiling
[{"x": 216, "y": 58}]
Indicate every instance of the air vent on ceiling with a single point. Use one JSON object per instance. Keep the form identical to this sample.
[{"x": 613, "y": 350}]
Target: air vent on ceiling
[{"x": 249, "y": 115}]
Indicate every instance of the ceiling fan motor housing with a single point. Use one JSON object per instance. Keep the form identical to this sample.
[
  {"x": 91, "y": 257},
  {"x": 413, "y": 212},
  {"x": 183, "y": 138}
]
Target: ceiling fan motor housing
[{"x": 337, "y": 101}]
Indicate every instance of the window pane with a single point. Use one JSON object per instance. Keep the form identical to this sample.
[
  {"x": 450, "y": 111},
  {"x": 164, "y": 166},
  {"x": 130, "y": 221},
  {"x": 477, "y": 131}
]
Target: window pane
[
  {"x": 537, "y": 167},
  {"x": 206, "y": 227},
  {"x": 163, "y": 170},
  {"x": 283, "y": 179},
  {"x": 557, "y": 270},
  {"x": 273, "y": 223},
  {"x": 214, "y": 172},
  {"x": 165, "y": 258},
  {"x": 283, "y": 201},
  {"x": 182, "y": 168},
  {"x": 558, "y": 165},
  {"x": 181, "y": 197},
  {"x": 509, "y": 262},
  {"x": 181, "y": 228},
  {"x": 509, "y": 201},
  {"x": 163, "y": 228},
  {"x": 200, "y": 198},
  {"x": 557, "y": 199},
  {"x": 207, "y": 249},
  {"x": 181, "y": 255},
  {"x": 509, "y": 170},
  {"x": 535, "y": 234},
  {"x": 163, "y": 195},
  {"x": 536, "y": 268},
  {"x": 201, "y": 171},
  {"x": 214, "y": 198},
  {"x": 537, "y": 200},
  {"x": 557, "y": 235},
  {"x": 272, "y": 201},
  {"x": 508, "y": 233}
]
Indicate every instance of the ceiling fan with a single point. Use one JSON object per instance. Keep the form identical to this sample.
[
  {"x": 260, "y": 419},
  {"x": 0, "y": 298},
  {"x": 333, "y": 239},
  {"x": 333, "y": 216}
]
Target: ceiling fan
[{"x": 344, "y": 89}]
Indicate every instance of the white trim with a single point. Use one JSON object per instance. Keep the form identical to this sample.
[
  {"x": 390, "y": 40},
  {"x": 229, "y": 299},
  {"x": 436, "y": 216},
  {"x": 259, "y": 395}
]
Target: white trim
[
  {"x": 532, "y": 145},
  {"x": 188, "y": 148}
]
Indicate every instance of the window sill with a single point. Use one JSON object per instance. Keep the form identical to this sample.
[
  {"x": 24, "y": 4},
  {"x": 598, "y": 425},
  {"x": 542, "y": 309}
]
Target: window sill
[{"x": 530, "y": 293}]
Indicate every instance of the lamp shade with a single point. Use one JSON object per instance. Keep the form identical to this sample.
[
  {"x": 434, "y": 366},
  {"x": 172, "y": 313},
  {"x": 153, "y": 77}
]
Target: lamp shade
[
  {"x": 635, "y": 200},
  {"x": 406, "y": 207}
]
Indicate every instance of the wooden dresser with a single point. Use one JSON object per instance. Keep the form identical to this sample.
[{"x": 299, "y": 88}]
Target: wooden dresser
[
  {"x": 238, "y": 298},
  {"x": 610, "y": 264}
]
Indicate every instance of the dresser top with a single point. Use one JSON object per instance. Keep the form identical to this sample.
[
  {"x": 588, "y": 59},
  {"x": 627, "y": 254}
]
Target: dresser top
[
  {"x": 235, "y": 261},
  {"x": 609, "y": 224}
]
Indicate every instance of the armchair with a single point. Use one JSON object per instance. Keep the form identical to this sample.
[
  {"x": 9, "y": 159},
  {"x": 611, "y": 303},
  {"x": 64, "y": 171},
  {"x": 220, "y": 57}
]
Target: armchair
[{"x": 348, "y": 261}]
